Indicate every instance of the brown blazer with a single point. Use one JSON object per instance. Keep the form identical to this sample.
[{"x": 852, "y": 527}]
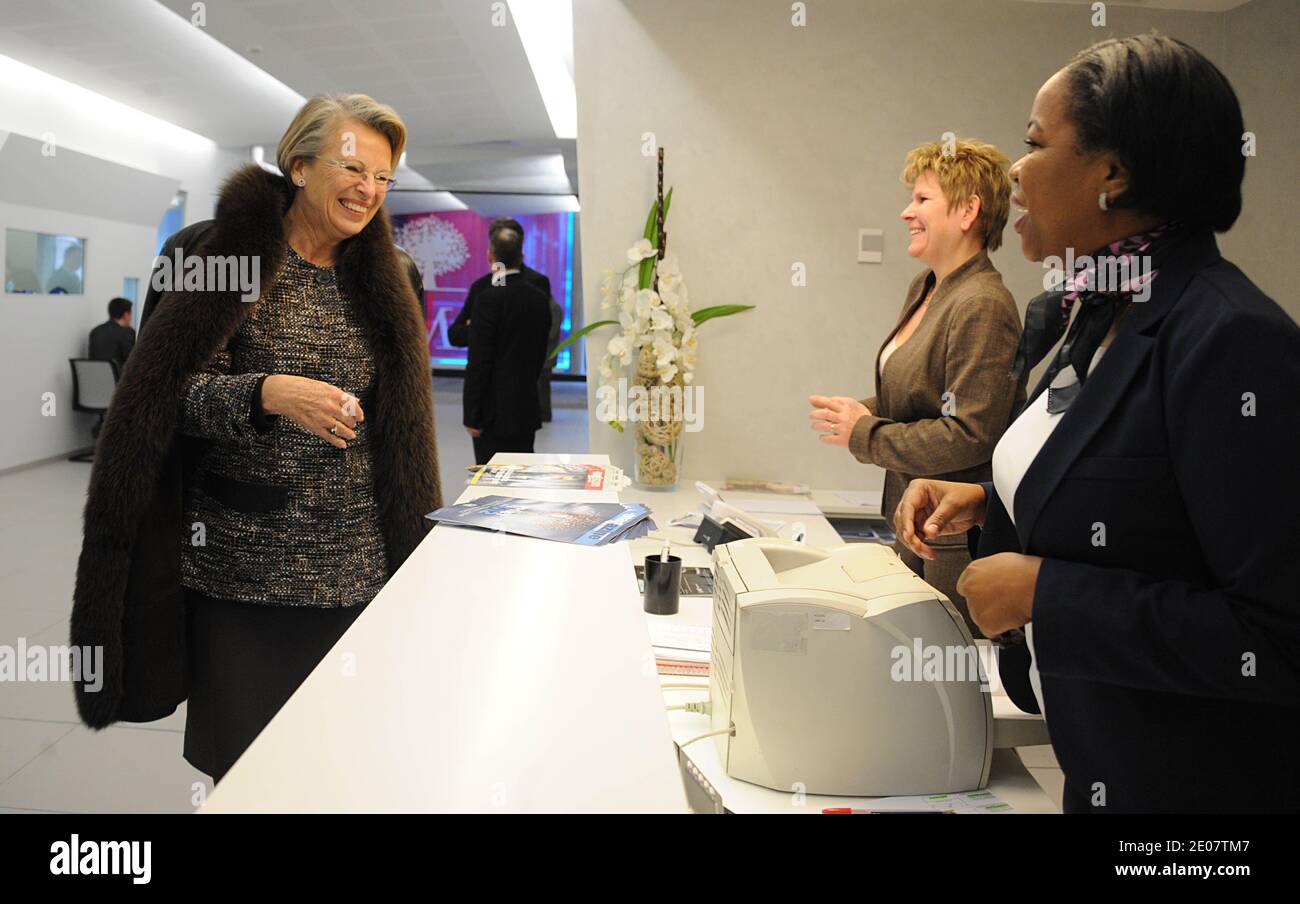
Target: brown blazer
[{"x": 963, "y": 346}]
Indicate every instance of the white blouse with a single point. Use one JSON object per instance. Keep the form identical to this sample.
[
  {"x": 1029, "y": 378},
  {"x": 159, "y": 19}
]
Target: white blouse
[
  {"x": 1013, "y": 455},
  {"x": 885, "y": 353}
]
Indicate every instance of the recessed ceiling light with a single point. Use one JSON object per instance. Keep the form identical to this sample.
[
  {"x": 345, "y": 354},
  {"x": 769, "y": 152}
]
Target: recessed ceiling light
[{"x": 546, "y": 30}]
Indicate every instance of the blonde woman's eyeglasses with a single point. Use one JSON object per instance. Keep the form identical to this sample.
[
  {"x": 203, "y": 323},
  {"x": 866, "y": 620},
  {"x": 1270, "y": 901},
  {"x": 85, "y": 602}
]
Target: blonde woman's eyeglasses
[{"x": 383, "y": 181}]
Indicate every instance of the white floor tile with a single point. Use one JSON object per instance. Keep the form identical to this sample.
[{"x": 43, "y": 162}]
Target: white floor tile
[
  {"x": 117, "y": 770},
  {"x": 22, "y": 741},
  {"x": 44, "y": 587},
  {"x": 18, "y": 623},
  {"x": 44, "y": 701}
]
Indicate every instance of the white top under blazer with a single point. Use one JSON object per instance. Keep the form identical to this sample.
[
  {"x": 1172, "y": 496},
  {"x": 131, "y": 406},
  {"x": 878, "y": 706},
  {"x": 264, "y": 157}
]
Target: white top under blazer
[
  {"x": 1013, "y": 455},
  {"x": 885, "y": 353}
]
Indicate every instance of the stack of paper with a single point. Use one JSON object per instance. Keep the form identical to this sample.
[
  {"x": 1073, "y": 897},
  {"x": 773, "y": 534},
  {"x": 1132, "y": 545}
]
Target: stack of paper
[
  {"x": 680, "y": 649},
  {"x": 757, "y": 504},
  {"x": 584, "y": 523},
  {"x": 870, "y": 499}
]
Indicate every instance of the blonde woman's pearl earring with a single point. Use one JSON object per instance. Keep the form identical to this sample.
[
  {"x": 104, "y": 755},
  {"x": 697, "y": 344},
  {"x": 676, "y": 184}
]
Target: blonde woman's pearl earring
[
  {"x": 302, "y": 182},
  {"x": 1102, "y": 201}
]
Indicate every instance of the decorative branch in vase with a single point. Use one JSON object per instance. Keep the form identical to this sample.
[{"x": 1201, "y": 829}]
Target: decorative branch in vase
[{"x": 658, "y": 340}]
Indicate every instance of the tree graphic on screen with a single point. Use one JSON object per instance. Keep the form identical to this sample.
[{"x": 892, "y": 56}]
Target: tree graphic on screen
[{"x": 436, "y": 245}]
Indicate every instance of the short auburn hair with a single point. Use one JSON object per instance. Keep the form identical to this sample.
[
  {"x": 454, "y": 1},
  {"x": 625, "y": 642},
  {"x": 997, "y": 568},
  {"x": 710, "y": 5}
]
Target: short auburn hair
[
  {"x": 314, "y": 125},
  {"x": 964, "y": 168}
]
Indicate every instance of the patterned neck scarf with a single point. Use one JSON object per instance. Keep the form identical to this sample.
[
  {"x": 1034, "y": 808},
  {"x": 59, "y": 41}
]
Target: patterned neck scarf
[{"x": 1103, "y": 283}]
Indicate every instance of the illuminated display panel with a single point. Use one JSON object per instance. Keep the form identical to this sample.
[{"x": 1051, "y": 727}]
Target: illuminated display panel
[{"x": 451, "y": 248}]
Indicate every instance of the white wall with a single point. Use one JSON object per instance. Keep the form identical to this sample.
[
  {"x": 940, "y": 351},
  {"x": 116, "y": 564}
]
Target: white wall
[
  {"x": 43, "y": 331},
  {"x": 1262, "y": 60},
  {"x": 45, "y": 108},
  {"x": 781, "y": 142}
]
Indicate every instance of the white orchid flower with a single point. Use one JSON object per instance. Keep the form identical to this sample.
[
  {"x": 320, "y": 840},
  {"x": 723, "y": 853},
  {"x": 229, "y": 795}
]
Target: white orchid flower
[
  {"x": 621, "y": 347},
  {"x": 645, "y": 303},
  {"x": 640, "y": 251},
  {"x": 664, "y": 350},
  {"x": 661, "y": 320}
]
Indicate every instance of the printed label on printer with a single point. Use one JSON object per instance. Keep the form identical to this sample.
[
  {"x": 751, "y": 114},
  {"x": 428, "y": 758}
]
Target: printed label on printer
[{"x": 830, "y": 621}]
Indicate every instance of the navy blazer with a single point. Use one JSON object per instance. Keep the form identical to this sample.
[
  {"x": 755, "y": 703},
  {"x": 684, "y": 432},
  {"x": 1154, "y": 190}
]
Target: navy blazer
[
  {"x": 1167, "y": 610},
  {"x": 458, "y": 332},
  {"x": 507, "y": 348}
]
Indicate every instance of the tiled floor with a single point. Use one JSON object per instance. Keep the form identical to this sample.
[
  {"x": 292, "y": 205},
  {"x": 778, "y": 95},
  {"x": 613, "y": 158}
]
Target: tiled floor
[{"x": 49, "y": 761}]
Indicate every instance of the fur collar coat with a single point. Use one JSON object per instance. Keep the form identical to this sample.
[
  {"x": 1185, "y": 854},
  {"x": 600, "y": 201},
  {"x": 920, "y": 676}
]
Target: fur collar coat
[{"x": 128, "y": 600}]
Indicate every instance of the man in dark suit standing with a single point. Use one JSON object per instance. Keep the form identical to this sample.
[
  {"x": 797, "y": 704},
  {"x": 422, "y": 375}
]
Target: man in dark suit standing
[
  {"x": 508, "y": 333},
  {"x": 552, "y": 340},
  {"x": 113, "y": 339},
  {"x": 458, "y": 332}
]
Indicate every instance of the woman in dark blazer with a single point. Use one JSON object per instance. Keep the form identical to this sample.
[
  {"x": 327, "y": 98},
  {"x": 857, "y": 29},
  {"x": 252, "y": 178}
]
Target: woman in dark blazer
[
  {"x": 267, "y": 460},
  {"x": 1137, "y": 525},
  {"x": 942, "y": 398}
]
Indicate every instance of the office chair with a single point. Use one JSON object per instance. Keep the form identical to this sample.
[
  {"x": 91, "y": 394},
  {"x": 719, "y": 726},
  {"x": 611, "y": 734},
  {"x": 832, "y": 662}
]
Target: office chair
[{"x": 93, "y": 383}]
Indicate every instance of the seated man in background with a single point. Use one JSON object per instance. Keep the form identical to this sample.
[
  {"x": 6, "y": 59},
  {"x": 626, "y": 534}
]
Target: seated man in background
[
  {"x": 113, "y": 339},
  {"x": 508, "y": 334}
]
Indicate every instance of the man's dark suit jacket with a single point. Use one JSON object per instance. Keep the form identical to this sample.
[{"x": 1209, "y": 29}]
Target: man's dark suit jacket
[
  {"x": 110, "y": 341},
  {"x": 458, "y": 332},
  {"x": 507, "y": 344},
  {"x": 1169, "y": 647}
]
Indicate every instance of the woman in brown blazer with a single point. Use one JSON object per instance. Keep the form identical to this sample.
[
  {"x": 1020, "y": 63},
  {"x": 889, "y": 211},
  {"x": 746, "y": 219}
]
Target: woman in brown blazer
[{"x": 943, "y": 391}]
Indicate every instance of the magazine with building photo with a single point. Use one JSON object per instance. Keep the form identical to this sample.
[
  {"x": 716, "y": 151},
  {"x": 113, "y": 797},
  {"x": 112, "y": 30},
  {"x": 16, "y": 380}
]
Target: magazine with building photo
[{"x": 584, "y": 523}]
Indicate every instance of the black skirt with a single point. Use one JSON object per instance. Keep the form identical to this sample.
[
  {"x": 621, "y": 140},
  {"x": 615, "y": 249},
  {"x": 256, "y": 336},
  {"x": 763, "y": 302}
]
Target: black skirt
[{"x": 245, "y": 662}]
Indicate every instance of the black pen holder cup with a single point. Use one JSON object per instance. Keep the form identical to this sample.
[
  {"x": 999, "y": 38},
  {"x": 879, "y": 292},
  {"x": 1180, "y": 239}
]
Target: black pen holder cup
[{"x": 662, "y": 585}]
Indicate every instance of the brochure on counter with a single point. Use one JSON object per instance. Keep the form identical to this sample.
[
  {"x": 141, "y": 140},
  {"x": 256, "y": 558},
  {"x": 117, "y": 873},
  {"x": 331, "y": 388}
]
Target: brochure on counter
[
  {"x": 584, "y": 523},
  {"x": 549, "y": 477}
]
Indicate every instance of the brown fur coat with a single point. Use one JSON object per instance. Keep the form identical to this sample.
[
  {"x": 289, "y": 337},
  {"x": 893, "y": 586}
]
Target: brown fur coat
[{"x": 128, "y": 597}]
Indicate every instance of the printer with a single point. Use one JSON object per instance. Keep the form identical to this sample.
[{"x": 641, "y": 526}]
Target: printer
[{"x": 813, "y": 682}]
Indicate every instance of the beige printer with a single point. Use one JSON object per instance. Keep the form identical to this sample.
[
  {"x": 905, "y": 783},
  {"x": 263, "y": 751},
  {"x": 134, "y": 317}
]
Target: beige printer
[{"x": 812, "y": 671}]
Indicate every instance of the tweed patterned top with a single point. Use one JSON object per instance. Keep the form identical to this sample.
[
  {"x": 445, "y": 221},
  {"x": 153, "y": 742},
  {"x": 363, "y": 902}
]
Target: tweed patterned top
[{"x": 276, "y": 515}]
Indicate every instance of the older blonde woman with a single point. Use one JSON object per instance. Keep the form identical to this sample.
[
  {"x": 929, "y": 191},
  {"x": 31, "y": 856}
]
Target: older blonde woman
[
  {"x": 265, "y": 467},
  {"x": 942, "y": 394}
]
